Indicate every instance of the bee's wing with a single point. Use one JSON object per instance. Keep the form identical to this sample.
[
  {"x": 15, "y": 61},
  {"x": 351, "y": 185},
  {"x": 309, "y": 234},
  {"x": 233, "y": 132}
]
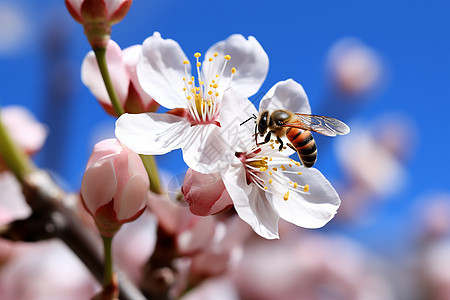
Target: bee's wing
[{"x": 320, "y": 124}]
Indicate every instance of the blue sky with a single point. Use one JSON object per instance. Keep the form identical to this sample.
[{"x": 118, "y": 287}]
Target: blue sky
[{"x": 411, "y": 37}]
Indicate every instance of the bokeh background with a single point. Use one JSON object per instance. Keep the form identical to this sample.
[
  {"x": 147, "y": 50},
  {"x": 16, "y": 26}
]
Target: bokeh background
[{"x": 381, "y": 66}]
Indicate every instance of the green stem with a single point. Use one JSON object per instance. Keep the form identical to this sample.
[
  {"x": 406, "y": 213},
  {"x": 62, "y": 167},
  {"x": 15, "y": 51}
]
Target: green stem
[
  {"x": 16, "y": 160},
  {"x": 108, "y": 262},
  {"x": 152, "y": 171},
  {"x": 100, "y": 54},
  {"x": 148, "y": 161}
]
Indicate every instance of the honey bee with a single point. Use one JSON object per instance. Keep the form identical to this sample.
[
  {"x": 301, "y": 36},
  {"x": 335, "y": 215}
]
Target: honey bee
[{"x": 297, "y": 128}]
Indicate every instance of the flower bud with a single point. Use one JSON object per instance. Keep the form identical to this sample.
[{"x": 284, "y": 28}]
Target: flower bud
[
  {"x": 97, "y": 16},
  {"x": 205, "y": 193},
  {"x": 122, "y": 66},
  {"x": 114, "y": 189}
]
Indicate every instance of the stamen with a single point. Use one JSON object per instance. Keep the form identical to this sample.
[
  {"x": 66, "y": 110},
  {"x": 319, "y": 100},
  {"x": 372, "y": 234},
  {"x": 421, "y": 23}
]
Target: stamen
[{"x": 306, "y": 188}]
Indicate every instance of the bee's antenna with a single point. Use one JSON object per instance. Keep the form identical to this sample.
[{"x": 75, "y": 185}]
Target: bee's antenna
[{"x": 252, "y": 117}]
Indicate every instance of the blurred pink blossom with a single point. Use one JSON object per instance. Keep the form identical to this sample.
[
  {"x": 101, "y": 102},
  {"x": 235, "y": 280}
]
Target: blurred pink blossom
[
  {"x": 24, "y": 129},
  {"x": 114, "y": 188},
  {"x": 122, "y": 68},
  {"x": 45, "y": 270},
  {"x": 354, "y": 67},
  {"x": 310, "y": 266}
]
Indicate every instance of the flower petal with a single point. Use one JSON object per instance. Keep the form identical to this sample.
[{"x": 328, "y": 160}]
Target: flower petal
[
  {"x": 288, "y": 95},
  {"x": 250, "y": 202},
  {"x": 151, "y": 133},
  {"x": 133, "y": 199},
  {"x": 99, "y": 184},
  {"x": 311, "y": 209},
  {"x": 207, "y": 148},
  {"x": 131, "y": 57},
  {"x": 161, "y": 70},
  {"x": 92, "y": 78},
  {"x": 247, "y": 56}
]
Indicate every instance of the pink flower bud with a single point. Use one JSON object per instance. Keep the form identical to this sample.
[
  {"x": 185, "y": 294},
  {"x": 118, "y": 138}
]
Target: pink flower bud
[
  {"x": 97, "y": 16},
  {"x": 114, "y": 189},
  {"x": 122, "y": 67},
  {"x": 205, "y": 193}
]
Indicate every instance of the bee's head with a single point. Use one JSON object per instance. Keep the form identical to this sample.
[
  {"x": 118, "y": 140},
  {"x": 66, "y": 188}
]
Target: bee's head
[{"x": 263, "y": 122}]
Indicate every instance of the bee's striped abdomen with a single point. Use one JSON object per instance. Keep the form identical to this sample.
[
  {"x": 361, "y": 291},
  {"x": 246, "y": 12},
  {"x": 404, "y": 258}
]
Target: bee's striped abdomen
[{"x": 305, "y": 145}]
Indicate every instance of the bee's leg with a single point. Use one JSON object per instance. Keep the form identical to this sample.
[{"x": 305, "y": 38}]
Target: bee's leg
[
  {"x": 266, "y": 139},
  {"x": 256, "y": 135},
  {"x": 292, "y": 147},
  {"x": 281, "y": 143}
]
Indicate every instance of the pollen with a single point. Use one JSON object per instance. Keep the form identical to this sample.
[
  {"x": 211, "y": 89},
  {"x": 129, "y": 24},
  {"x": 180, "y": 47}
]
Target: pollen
[
  {"x": 215, "y": 85},
  {"x": 275, "y": 169},
  {"x": 227, "y": 57},
  {"x": 215, "y": 54},
  {"x": 286, "y": 196},
  {"x": 199, "y": 64},
  {"x": 295, "y": 184},
  {"x": 266, "y": 188},
  {"x": 189, "y": 97},
  {"x": 306, "y": 188},
  {"x": 197, "y": 54},
  {"x": 210, "y": 59},
  {"x": 290, "y": 165},
  {"x": 186, "y": 62},
  {"x": 270, "y": 173},
  {"x": 233, "y": 70},
  {"x": 299, "y": 173},
  {"x": 217, "y": 94},
  {"x": 283, "y": 168},
  {"x": 270, "y": 180}
]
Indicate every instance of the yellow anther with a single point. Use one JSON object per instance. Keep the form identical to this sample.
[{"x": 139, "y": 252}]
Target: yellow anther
[
  {"x": 217, "y": 94},
  {"x": 192, "y": 78},
  {"x": 298, "y": 164},
  {"x": 277, "y": 142},
  {"x": 270, "y": 180},
  {"x": 270, "y": 172},
  {"x": 295, "y": 184},
  {"x": 275, "y": 169},
  {"x": 201, "y": 82},
  {"x": 184, "y": 89},
  {"x": 286, "y": 196},
  {"x": 213, "y": 81},
  {"x": 290, "y": 165},
  {"x": 184, "y": 78},
  {"x": 227, "y": 57},
  {"x": 233, "y": 70},
  {"x": 306, "y": 188},
  {"x": 299, "y": 173},
  {"x": 215, "y": 85},
  {"x": 217, "y": 75},
  {"x": 186, "y": 62},
  {"x": 189, "y": 97},
  {"x": 210, "y": 93},
  {"x": 283, "y": 168},
  {"x": 199, "y": 64},
  {"x": 215, "y": 54},
  {"x": 197, "y": 54},
  {"x": 270, "y": 159},
  {"x": 266, "y": 188},
  {"x": 210, "y": 59}
]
